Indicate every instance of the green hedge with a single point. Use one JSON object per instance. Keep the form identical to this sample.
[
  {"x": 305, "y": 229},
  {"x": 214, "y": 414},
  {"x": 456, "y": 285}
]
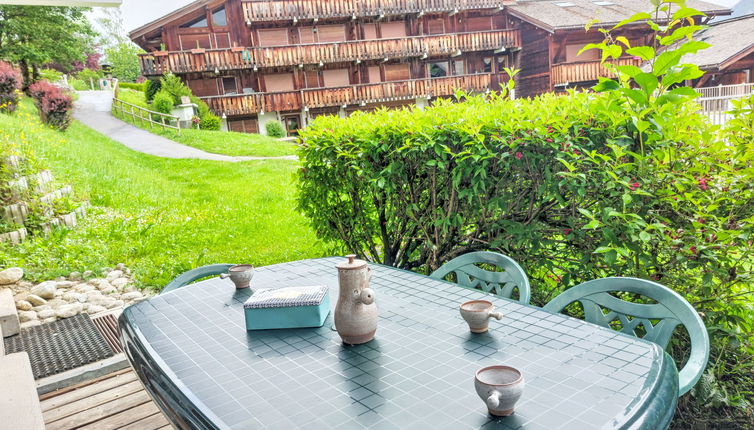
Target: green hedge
[{"x": 133, "y": 86}]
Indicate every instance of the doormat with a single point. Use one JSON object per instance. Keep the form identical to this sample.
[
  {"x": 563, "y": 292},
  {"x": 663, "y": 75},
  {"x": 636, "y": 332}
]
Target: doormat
[{"x": 61, "y": 345}]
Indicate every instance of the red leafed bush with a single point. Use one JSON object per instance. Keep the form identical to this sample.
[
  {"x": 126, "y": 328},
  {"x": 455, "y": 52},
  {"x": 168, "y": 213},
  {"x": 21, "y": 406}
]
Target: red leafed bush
[
  {"x": 10, "y": 82},
  {"x": 54, "y": 104}
]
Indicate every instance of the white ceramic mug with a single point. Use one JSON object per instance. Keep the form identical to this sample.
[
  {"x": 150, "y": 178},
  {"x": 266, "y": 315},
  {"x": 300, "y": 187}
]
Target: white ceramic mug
[
  {"x": 240, "y": 274},
  {"x": 477, "y": 314},
  {"x": 500, "y": 387}
]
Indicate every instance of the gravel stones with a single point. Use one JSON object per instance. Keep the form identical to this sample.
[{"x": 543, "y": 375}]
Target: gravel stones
[
  {"x": 11, "y": 275},
  {"x": 23, "y": 305},
  {"x": 45, "y": 290},
  {"x": 35, "y": 300},
  {"x": 67, "y": 311},
  {"x": 26, "y": 316}
]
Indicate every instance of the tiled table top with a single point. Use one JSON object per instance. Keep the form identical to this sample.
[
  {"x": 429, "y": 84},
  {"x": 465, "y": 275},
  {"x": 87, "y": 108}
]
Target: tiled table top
[{"x": 417, "y": 373}]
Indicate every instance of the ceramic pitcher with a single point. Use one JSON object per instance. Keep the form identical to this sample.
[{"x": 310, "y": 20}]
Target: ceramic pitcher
[{"x": 355, "y": 312}]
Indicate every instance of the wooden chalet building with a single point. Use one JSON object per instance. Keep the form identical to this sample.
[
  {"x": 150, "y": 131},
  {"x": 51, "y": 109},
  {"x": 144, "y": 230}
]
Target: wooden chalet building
[{"x": 292, "y": 60}]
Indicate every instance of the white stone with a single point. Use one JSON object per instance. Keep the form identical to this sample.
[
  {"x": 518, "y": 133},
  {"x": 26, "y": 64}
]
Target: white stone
[
  {"x": 11, "y": 275},
  {"x": 32, "y": 323},
  {"x": 25, "y": 316},
  {"x": 41, "y": 308},
  {"x": 115, "y": 274},
  {"x": 49, "y": 320},
  {"x": 45, "y": 290},
  {"x": 23, "y": 305},
  {"x": 103, "y": 285},
  {"x": 75, "y": 297},
  {"x": 105, "y": 301},
  {"x": 120, "y": 266},
  {"x": 119, "y": 283},
  {"x": 108, "y": 290},
  {"x": 21, "y": 296},
  {"x": 35, "y": 300},
  {"x": 49, "y": 313},
  {"x": 65, "y": 284},
  {"x": 75, "y": 276},
  {"x": 84, "y": 288},
  {"x": 95, "y": 309},
  {"x": 135, "y": 295},
  {"x": 87, "y": 273},
  {"x": 67, "y": 311},
  {"x": 117, "y": 304},
  {"x": 56, "y": 303}
]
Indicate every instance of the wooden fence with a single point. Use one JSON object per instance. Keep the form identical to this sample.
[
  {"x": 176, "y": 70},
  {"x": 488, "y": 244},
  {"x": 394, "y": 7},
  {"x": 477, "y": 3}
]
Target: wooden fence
[{"x": 145, "y": 115}]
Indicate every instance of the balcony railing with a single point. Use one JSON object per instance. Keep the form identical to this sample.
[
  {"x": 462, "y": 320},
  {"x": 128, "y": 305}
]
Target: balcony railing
[
  {"x": 351, "y": 95},
  {"x": 313, "y": 53},
  {"x": 585, "y": 71},
  {"x": 309, "y": 9}
]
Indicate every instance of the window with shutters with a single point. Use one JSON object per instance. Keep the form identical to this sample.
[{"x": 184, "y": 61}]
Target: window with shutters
[
  {"x": 335, "y": 78},
  {"x": 306, "y": 35},
  {"x": 480, "y": 23},
  {"x": 438, "y": 69},
  {"x": 374, "y": 74},
  {"x": 219, "y": 18},
  {"x": 273, "y": 37},
  {"x": 229, "y": 86},
  {"x": 312, "y": 79},
  {"x": 193, "y": 41},
  {"x": 458, "y": 67},
  {"x": 370, "y": 31},
  {"x": 279, "y": 82},
  {"x": 436, "y": 26},
  {"x": 331, "y": 33},
  {"x": 397, "y": 72},
  {"x": 392, "y": 30}
]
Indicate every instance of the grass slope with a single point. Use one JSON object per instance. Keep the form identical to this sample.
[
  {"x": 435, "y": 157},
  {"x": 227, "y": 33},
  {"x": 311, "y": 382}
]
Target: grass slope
[
  {"x": 159, "y": 216},
  {"x": 218, "y": 142}
]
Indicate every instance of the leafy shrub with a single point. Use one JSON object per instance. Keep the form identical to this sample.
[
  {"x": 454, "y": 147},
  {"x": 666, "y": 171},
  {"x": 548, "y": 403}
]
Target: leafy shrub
[
  {"x": 90, "y": 78},
  {"x": 56, "y": 109},
  {"x": 51, "y": 75},
  {"x": 152, "y": 87},
  {"x": 132, "y": 86},
  {"x": 274, "y": 129},
  {"x": 173, "y": 85},
  {"x": 209, "y": 122},
  {"x": 10, "y": 83},
  {"x": 629, "y": 182},
  {"x": 163, "y": 102},
  {"x": 38, "y": 90}
]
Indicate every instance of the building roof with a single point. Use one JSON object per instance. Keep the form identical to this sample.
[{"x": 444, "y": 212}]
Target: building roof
[
  {"x": 553, "y": 15},
  {"x": 159, "y": 22},
  {"x": 731, "y": 40}
]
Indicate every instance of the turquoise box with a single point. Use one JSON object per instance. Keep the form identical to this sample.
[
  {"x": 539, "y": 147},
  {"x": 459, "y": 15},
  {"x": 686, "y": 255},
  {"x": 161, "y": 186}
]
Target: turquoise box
[{"x": 290, "y": 307}]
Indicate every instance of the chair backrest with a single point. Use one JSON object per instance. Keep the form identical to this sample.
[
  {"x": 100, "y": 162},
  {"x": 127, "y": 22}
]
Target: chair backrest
[
  {"x": 502, "y": 284},
  {"x": 192, "y": 275},
  {"x": 659, "y": 320}
]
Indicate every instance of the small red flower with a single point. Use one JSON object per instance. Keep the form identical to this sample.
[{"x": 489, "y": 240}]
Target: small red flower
[
  {"x": 519, "y": 155},
  {"x": 548, "y": 140},
  {"x": 567, "y": 231},
  {"x": 700, "y": 220},
  {"x": 703, "y": 183},
  {"x": 693, "y": 249},
  {"x": 577, "y": 152},
  {"x": 634, "y": 186}
]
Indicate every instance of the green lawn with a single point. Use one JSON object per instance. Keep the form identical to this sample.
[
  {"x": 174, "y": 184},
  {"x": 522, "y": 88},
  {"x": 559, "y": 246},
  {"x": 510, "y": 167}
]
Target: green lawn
[
  {"x": 159, "y": 216},
  {"x": 218, "y": 142}
]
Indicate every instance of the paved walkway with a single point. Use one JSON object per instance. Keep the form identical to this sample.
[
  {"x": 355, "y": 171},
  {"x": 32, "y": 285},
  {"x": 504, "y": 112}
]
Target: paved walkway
[{"x": 93, "y": 109}]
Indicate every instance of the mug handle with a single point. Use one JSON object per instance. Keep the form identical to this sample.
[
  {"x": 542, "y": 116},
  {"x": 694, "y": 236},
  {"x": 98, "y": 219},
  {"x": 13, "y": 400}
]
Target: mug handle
[
  {"x": 493, "y": 401},
  {"x": 224, "y": 275},
  {"x": 497, "y": 315}
]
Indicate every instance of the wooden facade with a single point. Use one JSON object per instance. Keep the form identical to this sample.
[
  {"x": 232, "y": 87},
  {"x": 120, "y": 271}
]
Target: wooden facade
[{"x": 301, "y": 58}]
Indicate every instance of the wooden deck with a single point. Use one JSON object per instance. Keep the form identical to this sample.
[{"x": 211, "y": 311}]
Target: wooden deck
[{"x": 114, "y": 401}]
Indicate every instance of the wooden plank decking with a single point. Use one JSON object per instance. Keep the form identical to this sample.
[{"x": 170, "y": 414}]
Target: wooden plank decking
[{"x": 114, "y": 401}]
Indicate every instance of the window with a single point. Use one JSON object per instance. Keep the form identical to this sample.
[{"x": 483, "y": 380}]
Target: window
[
  {"x": 229, "y": 86},
  {"x": 370, "y": 31},
  {"x": 487, "y": 65},
  {"x": 481, "y": 23},
  {"x": 273, "y": 37},
  {"x": 279, "y": 82},
  {"x": 200, "y": 22},
  {"x": 374, "y": 74},
  {"x": 331, "y": 33},
  {"x": 438, "y": 70},
  {"x": 393, "y": 29},
  {"x": 335, "y": 78},
  {"x": 436, "y": 26},
  {"x": 458, "y": 67},
  {"x": 397, "y": 72},
  {"x": 218, "y": 18},
  {"x": 312, "y": 79}
]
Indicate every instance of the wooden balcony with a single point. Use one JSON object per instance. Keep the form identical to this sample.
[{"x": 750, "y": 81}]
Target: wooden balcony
[
  {"x": 284, "y": 10},
  {"x": 586, "y": 71},
  {"x": 313, "y": 53},
  {"x": 351, "y": 95}
]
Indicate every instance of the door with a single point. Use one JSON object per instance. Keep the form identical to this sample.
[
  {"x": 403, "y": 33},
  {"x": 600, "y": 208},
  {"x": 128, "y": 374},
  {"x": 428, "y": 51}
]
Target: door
[{"x": 292, "y": 124}]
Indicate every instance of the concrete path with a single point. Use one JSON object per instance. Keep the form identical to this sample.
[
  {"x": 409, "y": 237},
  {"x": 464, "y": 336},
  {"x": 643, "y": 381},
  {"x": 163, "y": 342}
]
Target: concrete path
[{"x": 93, "y": 109}]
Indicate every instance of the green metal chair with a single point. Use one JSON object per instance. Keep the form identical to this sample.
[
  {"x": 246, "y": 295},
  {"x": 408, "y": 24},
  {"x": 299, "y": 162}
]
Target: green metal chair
[
  {"x": 658, "y": 319},
  {"x": 502, "y": 284},
  {"x": 192, "y": 275}
]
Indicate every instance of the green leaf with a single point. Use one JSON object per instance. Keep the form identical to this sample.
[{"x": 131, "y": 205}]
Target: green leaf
[
  {"x": 678, "y": 75},
  {"x": 591, "y": 46},
  {"x": 647, "y": 82},
  {"x": 606, "y": 84},
  {"x": 679, "y": 33},
  {"x": 613, "y": 51},
  {"x": 685, "y": 91},
  {"x": 586, "y": 212},
  {"x": 692, "y": 47},
  {"x": 623, "y": 40},
  {"x": 686, "y": 12},
  {"x": 627, "y": 199},
  {"x": 593, "y": 224},
  {"x": 665, "y": 61},
  {"x": 644, "y": 52},
  {"x": 644, "y": 236},
  {"x": 634, "y": 18},
  {"x": 629, "y": 70}
]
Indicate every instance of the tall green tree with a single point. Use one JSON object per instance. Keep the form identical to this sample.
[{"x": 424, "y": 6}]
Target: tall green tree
[
  {"x": 31, "y": 36},
  {"x": 120, "y": 52}
]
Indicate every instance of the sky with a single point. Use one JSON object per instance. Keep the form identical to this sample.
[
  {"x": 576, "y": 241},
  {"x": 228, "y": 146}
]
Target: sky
[{"x": 139, "y": 12}]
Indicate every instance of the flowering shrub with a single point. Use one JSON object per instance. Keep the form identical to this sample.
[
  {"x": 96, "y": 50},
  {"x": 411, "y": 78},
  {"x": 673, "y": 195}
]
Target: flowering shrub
[
  {"x": 54, "y": 105},
  {"x": 10, "y": 83}
]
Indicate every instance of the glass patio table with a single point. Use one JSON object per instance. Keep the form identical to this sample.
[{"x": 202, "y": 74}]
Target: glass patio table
[{"x": 191, "y": 350}]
